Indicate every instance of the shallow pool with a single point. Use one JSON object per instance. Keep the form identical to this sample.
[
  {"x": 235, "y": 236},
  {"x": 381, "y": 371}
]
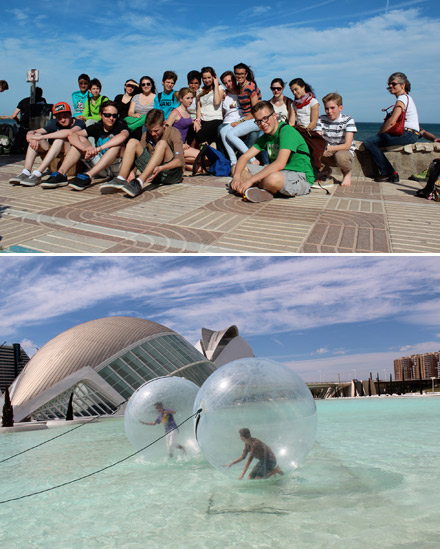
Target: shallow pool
[{"x": 371, "y": 480}]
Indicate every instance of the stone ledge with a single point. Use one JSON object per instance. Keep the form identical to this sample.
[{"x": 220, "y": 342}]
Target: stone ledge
[{"x": 406, "y": 159}]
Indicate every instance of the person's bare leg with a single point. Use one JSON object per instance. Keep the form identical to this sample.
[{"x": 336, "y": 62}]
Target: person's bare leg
[
  {"x": 162, "y": 153},
  {"x": 346, "y": 181},
  {"x": 52, "y": 153},
  {"x": 133, "y": 150},
  {"x": 71, "y": 158},
  {"x": 31, "y": 154}
]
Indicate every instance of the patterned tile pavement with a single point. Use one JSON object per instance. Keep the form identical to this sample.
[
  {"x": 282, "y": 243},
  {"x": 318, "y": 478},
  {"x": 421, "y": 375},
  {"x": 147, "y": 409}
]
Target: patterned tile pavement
[{"x": 199, "y": 216}]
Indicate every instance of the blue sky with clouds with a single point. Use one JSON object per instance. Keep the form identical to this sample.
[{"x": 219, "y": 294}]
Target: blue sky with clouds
[
  {"x": 323, "y": 316},
  {"x": 349, "y": 46}
]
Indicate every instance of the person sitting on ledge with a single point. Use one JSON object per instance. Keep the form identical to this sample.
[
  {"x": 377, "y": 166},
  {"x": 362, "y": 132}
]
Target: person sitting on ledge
[
  {"x": 104, "y": 156},
  {"x": 158, "y": 156},
  {"x": 399, "y": 86},
  {"x": 338, "y": 130},
  {"x": 290, "y": 170},
  {"x": 51, "y": 141}
]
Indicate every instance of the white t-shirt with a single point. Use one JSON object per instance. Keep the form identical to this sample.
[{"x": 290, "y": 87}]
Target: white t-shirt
[
  {"x": 231, "y": 108},
  {"x": 192, "y": 109},
  {"x": 281, "y": 112},
  {"x": 411, "y": 117},
  {"x": 303, "y": 115},
  {"x": 207, "y": 110}
]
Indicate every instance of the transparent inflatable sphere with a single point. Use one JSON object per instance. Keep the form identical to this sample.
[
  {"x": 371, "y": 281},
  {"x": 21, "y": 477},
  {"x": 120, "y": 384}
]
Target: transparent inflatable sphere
[
  {"x": 175, "y": 394},
  {"x": 263, "y": 396}
]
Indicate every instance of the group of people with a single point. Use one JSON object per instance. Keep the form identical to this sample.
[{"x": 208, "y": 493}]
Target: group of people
[{"x": 144, "y": 136}]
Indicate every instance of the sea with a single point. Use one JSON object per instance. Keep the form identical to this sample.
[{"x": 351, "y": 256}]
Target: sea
[
  {"x": 368, "y": 129},
  {"x": 371, "y": 480}
]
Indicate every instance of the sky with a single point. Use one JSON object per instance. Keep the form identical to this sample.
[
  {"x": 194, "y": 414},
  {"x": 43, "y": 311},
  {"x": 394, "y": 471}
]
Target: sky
[
  {"x": 325, "y": 317},
  {"x": 348, "y": 46}
]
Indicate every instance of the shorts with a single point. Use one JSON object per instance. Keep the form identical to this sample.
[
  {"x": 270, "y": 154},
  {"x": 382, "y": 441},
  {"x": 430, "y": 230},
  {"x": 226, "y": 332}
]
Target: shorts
[
  {"x": 295, "y": 183},
  {"x": 167, "y": 177},
  {"x": 109, "y": 171},
  {"x": 262, "y": 468}
]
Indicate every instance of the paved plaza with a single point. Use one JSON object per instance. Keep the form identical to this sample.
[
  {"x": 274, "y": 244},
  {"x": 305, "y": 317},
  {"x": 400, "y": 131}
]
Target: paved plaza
[{"x": 199, "y": 216}]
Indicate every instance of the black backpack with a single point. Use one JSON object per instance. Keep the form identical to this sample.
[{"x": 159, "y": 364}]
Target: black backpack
[
  {"x": 7, "y": 137},
  {"x": 432, "y": 188}
]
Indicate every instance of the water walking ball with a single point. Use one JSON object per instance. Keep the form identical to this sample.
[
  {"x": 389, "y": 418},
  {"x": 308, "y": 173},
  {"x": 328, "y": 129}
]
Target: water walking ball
[
  {"x": 174, "y": 393},
  {"x": 263, "y": 396}
]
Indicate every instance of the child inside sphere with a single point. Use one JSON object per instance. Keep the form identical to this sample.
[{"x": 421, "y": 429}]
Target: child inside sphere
[
  {"x": 267, "y": 464},
  {"x": 166, "y": 417}
]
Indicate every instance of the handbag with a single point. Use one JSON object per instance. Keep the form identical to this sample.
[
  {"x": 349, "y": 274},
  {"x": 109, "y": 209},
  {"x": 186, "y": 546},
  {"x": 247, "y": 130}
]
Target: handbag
[{"x": 398, "y": 128}]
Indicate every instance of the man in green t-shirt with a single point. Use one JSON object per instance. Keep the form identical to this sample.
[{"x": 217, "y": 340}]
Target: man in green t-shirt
[{"x": 290, "y": 170}]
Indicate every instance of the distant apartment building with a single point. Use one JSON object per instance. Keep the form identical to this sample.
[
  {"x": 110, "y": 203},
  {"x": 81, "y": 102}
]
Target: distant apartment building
[
  {"x": 12, "y": 361},
  {"x": 422, "y": 366}
]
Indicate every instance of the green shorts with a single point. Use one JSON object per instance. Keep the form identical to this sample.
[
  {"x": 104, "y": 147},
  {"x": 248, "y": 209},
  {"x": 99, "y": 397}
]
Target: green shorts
[{"x": 167, "y": 177}]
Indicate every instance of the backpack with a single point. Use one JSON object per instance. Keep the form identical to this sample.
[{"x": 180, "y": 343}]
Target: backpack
[
  {"x": 316, "y": 144},
  {"x": 219, "y": 165},
  {"x": 7, "y": 136},
  {"x": 431, "y": 190}
]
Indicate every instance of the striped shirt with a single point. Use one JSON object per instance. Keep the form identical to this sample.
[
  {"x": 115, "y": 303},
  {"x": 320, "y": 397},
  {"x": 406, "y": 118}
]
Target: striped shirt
[
  {"x": 244, "y": 98},
  {"x": 333, "y": 131}
]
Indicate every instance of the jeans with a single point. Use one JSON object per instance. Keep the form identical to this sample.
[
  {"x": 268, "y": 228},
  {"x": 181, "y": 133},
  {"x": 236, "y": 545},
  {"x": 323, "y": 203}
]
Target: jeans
[
  {"x": 231, "y": 138},
  {"x": 374, "y": 144}
]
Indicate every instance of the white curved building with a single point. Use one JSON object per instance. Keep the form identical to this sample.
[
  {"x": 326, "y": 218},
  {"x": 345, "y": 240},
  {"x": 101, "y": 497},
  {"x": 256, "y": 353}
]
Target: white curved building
[
  {"x": 102, "y": 362},
  {"x": 223, "y": 346}
]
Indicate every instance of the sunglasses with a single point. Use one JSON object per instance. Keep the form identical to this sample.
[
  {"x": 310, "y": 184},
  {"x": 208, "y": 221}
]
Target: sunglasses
[
  {"x": 263, "y": 120},
  {"x": 109, "y": 115},
  {"x": 130, "y": 86},
  {"x": 393, "y": 84},
  {"x": 275, "y": 88},
  {"x": 145, "y": 84}
]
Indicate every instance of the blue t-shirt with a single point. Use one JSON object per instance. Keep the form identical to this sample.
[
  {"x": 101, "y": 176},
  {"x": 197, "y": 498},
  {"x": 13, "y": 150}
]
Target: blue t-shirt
[
  {"x": 79, "y": 100},
  {"x": 53, "y": 126},
  {"x": 166, "y": 102},
  {"x": 167, "y": 418}
]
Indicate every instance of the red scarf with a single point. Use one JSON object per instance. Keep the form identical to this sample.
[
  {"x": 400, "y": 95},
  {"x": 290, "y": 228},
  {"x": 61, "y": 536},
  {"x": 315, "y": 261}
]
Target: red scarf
[{"x": 304, "y": 100}]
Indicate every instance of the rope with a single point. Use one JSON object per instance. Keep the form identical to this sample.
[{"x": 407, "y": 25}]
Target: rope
[
  {"x": 58, "y": 436},
  {"x": 103, "y": 468}
]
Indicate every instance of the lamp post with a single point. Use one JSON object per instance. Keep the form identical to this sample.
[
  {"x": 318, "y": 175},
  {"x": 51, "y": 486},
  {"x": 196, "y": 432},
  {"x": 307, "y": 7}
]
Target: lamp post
[{"x": 433, "y": 379}]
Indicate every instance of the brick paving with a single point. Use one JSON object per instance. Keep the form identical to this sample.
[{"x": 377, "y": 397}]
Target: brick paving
[{"x": 199, "y": 216}]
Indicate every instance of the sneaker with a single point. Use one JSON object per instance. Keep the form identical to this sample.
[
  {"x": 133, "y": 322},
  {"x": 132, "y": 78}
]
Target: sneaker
[
  {"x": 255, "y": 194},
  {"x": 56, "y": 179},
  {"x": 80, "y": 182},
  {"x": 113, "y": 186},
  {"x": 389, "y": 178},
  {"x": 420, "y": 177},
  {"x": 133, "y": 188},
  {"x": 19, "y": 179},
  {"x": 32, "y": 180}
]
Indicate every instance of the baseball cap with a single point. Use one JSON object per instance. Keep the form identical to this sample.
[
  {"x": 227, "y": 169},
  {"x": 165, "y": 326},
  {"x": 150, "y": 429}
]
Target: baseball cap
[{"x": 61, "y": 107}]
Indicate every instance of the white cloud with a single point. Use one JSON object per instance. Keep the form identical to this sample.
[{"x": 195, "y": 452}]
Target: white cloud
[
  {"x": 356, "y": 365},
  {"x": 30, "y": 347},
  {"x": 321, "y": 351},
  {"x": 354, "y": 59}
]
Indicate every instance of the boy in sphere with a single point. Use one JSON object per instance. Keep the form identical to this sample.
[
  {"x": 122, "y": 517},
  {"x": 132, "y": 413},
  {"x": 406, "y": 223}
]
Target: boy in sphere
[{"x": 166, "y": 417}]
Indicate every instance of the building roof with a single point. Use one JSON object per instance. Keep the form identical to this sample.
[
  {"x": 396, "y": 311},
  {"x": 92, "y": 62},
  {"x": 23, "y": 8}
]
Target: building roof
[{"x": 89, "y": 344}]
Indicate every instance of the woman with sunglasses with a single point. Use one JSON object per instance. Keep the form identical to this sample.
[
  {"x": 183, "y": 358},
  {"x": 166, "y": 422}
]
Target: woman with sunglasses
[
  {"x": 248, "y": 95},
  {"x": 282, "y": 105},
  {"x": 305, "y": 104},
  {"x": 142, "y": 103},
  {"x": 399, "y": 86},
  {"x": 123, "y": 100}
]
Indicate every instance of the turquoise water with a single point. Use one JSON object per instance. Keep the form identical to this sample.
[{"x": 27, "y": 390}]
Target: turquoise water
[{"x": 371, "y": 480}]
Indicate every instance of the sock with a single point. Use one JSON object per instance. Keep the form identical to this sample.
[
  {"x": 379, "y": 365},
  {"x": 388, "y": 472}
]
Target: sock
[
  {"x": 121, "y": 178},
  {"x": 26, "y": 172},
  {"x": 37, "y": 173},
  {"x": 141, "y": 183}
]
